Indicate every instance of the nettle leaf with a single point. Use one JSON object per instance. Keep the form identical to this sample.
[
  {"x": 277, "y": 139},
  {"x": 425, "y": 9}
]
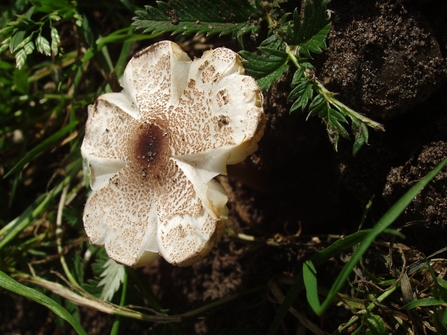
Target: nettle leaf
[
  {"x": 267, "y": 66},
  {"x": 222, "y": 17},
  {"x": 112, "y": 278},
  {"x": 316, "y": 44},
  {"x": 360, "y": 131},
  {"x": 331, "y": 117},
  {"x": 310, "y": 32},
  {"x": 43, "y": 46},
  {"x": 302, "y": 94}
]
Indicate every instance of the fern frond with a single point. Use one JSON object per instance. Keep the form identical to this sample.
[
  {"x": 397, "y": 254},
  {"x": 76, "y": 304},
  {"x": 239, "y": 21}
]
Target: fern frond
[{"x": 223, "y": 17}]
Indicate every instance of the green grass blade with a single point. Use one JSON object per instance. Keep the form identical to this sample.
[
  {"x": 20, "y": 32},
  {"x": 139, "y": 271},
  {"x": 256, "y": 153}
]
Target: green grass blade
[
  {"x": 365, "y": 236},
  {"x": 16, "y": 226},
  {"x": 42, "y": 147},
  {"x": 425, "y": 302},
  {"x": 122, "y": 59},
  {"x": 310, "y": 282},
  {"x": 12, "y": 285},
  {"x": 390, "y": 216},
  {"x": 317, "y": 259}
]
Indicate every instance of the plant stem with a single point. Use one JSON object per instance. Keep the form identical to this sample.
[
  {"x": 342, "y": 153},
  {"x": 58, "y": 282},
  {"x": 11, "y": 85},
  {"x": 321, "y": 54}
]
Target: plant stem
[
  {"x": 292, "y": 56},
  {"x": 368, "y": 309},
  {"x": 12, "y": 229},
  {"x": 330, "y": 97},
  {"x": 117, "y": 322},
  {"x": 59, "y": 232}
]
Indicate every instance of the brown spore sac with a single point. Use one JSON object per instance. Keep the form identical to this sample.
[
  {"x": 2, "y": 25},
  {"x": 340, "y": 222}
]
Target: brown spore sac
[{"x": 149, "y": 147}]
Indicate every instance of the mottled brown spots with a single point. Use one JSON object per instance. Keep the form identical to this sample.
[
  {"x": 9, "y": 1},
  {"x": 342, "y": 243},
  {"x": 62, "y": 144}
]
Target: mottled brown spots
[
  {"x": 156, "y": 139},
  {"x": 222, "y": 98},
  {"x": 191, "y": 83},
  {"x": 209, "y": 73},
  {"x": 203, "y": 66},
  {"x": 223, "y": 121}
]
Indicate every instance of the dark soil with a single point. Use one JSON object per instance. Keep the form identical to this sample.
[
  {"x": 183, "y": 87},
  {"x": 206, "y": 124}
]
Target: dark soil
[{"x": 387, "y": 60}]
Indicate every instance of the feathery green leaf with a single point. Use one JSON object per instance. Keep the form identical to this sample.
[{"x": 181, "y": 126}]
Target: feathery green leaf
[
  {"x": 112, "y": 278},
  {"x": 236, "y": 17}
]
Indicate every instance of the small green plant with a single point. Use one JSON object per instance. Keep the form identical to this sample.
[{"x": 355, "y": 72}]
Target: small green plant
[
  {"x": 291, "y": 40},
  {"x": 24, "y": 35}
]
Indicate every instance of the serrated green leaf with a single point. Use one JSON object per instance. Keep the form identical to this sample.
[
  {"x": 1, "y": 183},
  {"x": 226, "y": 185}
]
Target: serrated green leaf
[
  {"x": 43, "y": 46},
  {"x": 318, "y": 106},
  {"x": 221, "y": 17},
  {"x": 334, "y": 127},
  {"x": 335, "y": 115},
  {"x": 55, "y": 40},
  {"x": 272, "y": 42},
  {"x": 266, "y": 67},
  {"x": 302, "y": 94},
  {"x": 316, "y": 44},
  {"x": 298, "y": 76},
  {"x": 360, "y": 131},
  {"x": 331, "y": 117},
  {"x": 112, "y": 277},
  {"x": 310, "y": 31}
]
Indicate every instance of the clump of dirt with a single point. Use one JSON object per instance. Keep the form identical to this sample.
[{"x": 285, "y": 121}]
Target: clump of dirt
[
  {"x": 384, "y": 57},
  {"x": 430, "y": 206}
]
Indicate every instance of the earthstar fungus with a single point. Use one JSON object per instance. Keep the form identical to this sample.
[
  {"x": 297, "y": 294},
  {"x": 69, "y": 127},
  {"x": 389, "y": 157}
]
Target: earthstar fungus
[{"x": 154, "y": 149}]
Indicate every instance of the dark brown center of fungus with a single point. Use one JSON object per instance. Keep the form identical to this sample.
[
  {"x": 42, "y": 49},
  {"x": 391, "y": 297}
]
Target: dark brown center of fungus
[{"x": 150, "y": 148}]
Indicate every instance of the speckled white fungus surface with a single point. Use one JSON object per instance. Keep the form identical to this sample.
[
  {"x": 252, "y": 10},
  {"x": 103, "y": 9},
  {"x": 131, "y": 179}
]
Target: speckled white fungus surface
[{"x": 154, "y": 149}]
